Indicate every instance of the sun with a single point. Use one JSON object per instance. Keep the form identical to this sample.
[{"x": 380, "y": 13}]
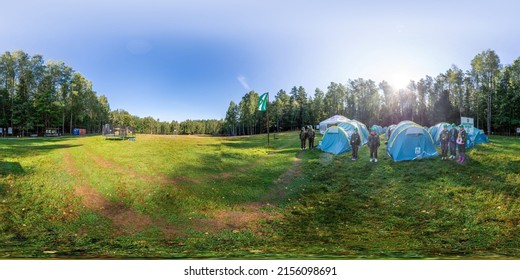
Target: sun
[{"x": 399, "y": 79}]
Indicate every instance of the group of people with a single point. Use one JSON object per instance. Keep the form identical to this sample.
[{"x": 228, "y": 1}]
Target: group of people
[
  {"x": 307, "y": 134},
  {"x": 453, "y": 139},
  {"x": 373, "y": 143},
  {"x": 450, "y": 139}
]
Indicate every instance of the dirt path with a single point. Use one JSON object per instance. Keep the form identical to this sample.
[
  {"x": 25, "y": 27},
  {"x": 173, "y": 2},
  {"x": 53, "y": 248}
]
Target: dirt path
[
  {"x": 247, "y": 216},
  {"x": 124, "y": 218},
  {"x": 238, "y": 218}
]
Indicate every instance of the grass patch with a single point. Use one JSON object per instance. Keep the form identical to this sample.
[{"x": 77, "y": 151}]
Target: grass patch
[{"x": 234, "y": 197}]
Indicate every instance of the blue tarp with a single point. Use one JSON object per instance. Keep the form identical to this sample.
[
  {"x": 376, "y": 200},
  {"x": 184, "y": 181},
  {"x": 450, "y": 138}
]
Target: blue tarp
[{"x": 410, "y": 141}]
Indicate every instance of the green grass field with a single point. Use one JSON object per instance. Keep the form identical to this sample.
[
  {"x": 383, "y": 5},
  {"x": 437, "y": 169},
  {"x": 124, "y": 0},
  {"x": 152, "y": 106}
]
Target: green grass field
[{"x": 209, "y": 197}]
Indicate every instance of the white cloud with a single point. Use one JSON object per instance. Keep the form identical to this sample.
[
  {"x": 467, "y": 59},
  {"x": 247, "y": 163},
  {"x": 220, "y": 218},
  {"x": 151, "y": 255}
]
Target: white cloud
[{"x": 243, "y": 81}]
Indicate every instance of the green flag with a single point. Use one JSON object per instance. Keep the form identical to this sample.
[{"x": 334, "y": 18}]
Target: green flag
[{"x": 262, "y": 101}]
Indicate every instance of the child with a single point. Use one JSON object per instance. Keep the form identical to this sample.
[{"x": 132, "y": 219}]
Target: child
[
  {"x": 461, "y": 142},
  {"x": 355, "y": 141},
  {"x": 453, "y": 140},
  {"x": 303, "y": 138},
  {"x": 310, "y": 135},
  {"x": 373, "y": 144},
  {"x": 444, "y": 137}
]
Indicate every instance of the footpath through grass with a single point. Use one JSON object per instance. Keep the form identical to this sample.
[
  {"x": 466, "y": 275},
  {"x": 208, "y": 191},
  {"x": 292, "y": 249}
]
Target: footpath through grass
[{"x": 207, "y": 197}]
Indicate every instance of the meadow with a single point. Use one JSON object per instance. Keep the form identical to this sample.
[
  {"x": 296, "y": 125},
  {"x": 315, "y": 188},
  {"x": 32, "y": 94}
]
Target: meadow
[{"x": 237, "y": 198}]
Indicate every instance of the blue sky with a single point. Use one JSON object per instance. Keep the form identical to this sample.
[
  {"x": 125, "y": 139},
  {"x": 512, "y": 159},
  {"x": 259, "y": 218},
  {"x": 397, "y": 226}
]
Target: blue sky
[{"x": 177, "y": 60}]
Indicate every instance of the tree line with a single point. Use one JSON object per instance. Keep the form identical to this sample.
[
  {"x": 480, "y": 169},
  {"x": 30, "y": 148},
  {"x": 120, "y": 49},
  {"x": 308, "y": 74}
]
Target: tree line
[
  {"x": 36, "y": 95},
  {"x": 489, "y": 92}
]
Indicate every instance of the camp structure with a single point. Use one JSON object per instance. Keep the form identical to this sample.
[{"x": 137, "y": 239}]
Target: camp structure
[
  {"x": 410, "y": 141},
  {"x": 435, "y": 132},
  {"x": 118, "y": 132},
  {"x": 379, "y": 129},
  {"x": 337, "y": 138},
  {"x": 478, "y": 137},
  {"x": 51, "y": 132},
  {"x": 334, "y": 120},
  {"x": 389, "y": 131},
  {"x": 363, "y": 130},
  {"x": 79, "y": 131}
]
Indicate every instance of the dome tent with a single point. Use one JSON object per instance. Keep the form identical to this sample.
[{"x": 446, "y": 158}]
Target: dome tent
[
  {"x": 435, "y": 132},
  {"x": 337, "y": 138},
  {"x": 335, "y": 141},
  {"x": 389, "y": 131},
  {"x": 410, "y": 141},
  {"x": 478, "y": 137},
  {"x": 379, "y": 129},
  {"x": 363, "y": 130},
  {"x": 334, "y": 120}
]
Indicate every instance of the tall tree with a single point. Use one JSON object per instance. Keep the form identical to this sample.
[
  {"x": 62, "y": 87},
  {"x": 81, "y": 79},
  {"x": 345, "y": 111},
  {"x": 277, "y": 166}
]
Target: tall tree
[{"x": 486, "y": 67}]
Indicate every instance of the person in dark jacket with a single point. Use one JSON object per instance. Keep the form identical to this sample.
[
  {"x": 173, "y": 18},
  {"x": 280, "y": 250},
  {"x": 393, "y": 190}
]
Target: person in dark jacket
[
  {"x": 355, "y": 141},
  {"x": 373, "y": 144},
  {"x": 311, "y": 135},
  {"x": 461, "y": 142},
  {"x": 454, "y": 133},
  {"x": 444, "y": 139},
  {"x": 303, "y": 138}
]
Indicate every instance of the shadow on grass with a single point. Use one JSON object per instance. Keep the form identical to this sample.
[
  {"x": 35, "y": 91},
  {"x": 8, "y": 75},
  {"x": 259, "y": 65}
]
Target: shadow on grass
[
  {"x": 21, "y": 150},
  {"x": 7, "y": 168}
]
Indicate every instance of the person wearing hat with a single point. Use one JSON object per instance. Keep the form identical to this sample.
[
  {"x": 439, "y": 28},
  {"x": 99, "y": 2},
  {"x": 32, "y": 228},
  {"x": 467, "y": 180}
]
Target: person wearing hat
[
  {"x": 461, "y": 142},
  {"x": 453, "y": 135},
  {"x": 355, "y": 141},
  {"x": 310, "y": 135},
  {"x": 303, "y": 138},
  {"x": 373, "y": 144},
  {"x": 444, "y": 137}
]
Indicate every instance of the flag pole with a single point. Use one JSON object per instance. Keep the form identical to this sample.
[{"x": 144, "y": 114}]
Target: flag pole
[{"x": 267, "y": 109}]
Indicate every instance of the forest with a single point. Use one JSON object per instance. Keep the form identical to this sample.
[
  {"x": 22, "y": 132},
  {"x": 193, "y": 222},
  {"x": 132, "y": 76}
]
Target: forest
[
  {"x": 36, "y": 95},
  {"x": 489, "y": 92}
]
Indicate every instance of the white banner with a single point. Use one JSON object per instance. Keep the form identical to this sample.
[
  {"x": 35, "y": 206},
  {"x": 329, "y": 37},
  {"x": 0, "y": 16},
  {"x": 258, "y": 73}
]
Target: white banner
[
  {"x": 10, "y": 130},
  {"x": 1, "y": 130},
  {"x": 468, "y": 124}
]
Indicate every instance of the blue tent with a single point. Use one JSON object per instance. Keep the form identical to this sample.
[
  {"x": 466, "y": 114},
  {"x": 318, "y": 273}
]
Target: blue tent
[
  {"x": 410, "y": 141},
  {"x": 478, "y": 137},
  {"x": 349, "y": 129},
  {"x": 335, "y": 141},
  {"x": 435, "y": 132},
  {"x": 337, "y": 138},
  {"x": 389, "y": 131},
  {"x": 363, "y": 130},
  {"x": 379, "y": 129}
]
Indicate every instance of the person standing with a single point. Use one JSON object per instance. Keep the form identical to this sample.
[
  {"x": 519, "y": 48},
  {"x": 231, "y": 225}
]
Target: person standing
[
  {"x": 303, "y": 138},
  {"x": 355, "y": 141},
  {"x": 453, "y": 135},
  {"x": 461, "y": 142},
  {"x": 444, "y": 139},
  {"x": 310, "y": 135},
  {"x": 373, "y": 144}
]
